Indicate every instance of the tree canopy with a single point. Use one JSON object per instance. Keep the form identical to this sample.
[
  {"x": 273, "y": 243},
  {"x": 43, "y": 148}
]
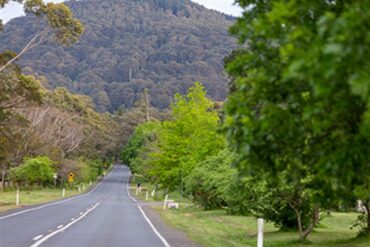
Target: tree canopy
[{"x": 299, "y": 105}]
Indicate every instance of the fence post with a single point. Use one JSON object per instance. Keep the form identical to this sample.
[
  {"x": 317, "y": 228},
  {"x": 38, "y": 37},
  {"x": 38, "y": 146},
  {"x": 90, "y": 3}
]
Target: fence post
[
  {"x": 260, "y": 233},
  {"x": 165, "y": 202},
  {"x": 17, "y": 198}
]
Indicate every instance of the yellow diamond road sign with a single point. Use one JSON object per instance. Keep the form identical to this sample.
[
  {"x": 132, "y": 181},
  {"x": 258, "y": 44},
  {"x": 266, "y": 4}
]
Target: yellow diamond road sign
[{"x": 71, "y": 175}]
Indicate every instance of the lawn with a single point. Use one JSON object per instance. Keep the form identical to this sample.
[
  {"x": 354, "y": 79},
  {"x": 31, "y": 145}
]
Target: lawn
[
  {"x": 26, "y": 198},
  {"x": 215, "y": 228}
]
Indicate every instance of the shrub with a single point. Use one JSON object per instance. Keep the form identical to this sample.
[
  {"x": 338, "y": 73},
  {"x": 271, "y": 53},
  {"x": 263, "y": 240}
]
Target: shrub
[
  {"x": 209, "y": 182},
  {"x": 34, "y": 171}
]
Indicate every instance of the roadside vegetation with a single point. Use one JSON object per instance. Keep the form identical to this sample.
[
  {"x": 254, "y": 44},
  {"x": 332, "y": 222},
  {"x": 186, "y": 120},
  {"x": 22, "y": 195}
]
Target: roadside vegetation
[
  {"x": 33, "y": 197},
  {"x": 46, "y": 135},
  {"x": 292, "y": 140},
  {"x": 215, "y": 228}
]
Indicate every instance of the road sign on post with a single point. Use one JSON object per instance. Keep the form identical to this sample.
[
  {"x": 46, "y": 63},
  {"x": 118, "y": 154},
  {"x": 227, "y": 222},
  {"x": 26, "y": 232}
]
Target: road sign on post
[{"x": 71, "y": 176}]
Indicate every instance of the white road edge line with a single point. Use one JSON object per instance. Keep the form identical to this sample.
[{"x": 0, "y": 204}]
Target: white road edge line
[
  {"x": 153, "y": 228},
  {"x": 52, "y": 203},
  {"x": 38, "y": 243},
  {"x": 164, "y": 241},
  {"x": 37, "y": 237}
]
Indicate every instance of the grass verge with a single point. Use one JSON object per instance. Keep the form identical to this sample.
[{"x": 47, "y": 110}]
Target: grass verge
[
  {"x": 215, "y": 228},
  {"x": 27, "y": 198}
]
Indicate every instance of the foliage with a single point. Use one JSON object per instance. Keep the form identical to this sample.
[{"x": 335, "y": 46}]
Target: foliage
[
  {"x": 210, "y": 181},
  {"x": 38, "y": 170},
  {"x": 187, "y": 139},
  {"x": 161, "y": 45},
  {"x": 134, "y": 153},
  {"x": 299, "y": 103}
]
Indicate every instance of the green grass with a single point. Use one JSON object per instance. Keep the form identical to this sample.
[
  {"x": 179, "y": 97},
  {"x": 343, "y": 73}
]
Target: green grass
[
  {"x": 215, "y": 228},
  {"x": 26, "y": 198}
]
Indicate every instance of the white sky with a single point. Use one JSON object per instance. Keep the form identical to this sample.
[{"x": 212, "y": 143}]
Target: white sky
[{"x": 15, "y": 9}]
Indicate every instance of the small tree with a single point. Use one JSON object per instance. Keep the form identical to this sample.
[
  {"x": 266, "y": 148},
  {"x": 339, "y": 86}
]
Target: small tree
[{"x": 34, "y": 171}]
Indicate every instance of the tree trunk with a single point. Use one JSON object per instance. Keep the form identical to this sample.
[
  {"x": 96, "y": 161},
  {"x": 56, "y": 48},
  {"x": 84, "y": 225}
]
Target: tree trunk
[
  {"x": 303, "y": 233},
  {"x": 147, "y": 105},
  {"x": 367, "y": 207},
  {"x": 35, "y": 41},
  {"x": 3, "y": 179}
]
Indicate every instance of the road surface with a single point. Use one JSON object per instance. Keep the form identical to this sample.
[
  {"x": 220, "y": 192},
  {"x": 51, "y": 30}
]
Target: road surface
[{"x": 106, "y": 216}]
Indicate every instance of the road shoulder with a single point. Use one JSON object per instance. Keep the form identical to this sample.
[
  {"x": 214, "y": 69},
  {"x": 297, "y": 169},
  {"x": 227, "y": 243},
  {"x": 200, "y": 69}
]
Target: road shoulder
[{"x": 174, "y": 237}]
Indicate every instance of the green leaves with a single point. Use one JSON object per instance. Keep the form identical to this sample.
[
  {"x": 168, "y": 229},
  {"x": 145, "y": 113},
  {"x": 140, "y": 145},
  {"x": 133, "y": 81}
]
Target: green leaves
[
  {"x": 303, "y": 87},
  {"x": 67, "y": 30},
  {"x": 36, "y": 170},
  {"x": 187, "y": 139}
]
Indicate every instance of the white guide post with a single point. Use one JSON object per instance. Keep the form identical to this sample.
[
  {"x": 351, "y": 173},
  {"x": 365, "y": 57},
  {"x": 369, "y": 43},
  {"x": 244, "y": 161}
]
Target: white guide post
[
  {"x": 64, "y": 192},
  {"x": 147, "y": 196},
  {"x": 17, "y": 198},
  {"x": 165, "y": 202},
  {"x": 153, "y": 192},
  {"x": 260, "y": 233}
]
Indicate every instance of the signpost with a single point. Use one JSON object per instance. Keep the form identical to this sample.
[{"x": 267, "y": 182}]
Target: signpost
[{"x": 71, "y": 176}]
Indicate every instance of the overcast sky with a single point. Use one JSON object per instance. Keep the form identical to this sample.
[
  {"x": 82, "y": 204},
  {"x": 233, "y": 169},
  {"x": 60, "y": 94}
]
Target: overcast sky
[{"x": 14, "y": 9}]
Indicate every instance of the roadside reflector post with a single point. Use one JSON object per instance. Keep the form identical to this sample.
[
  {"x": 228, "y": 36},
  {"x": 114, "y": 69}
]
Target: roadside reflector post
[
  {"x": 79, "y": 188},
  {"x": 165, "y": 202},
  {"x": 17, "y": 198},
  {"x": 83, "y": 187},
  {"x": 147, "y": 195},
  {"x": 64, "y": 192},
  {"x": 153, "y": 192},
  {"x": 260, "y": 233},
  {"x": 90, "y": 183}
]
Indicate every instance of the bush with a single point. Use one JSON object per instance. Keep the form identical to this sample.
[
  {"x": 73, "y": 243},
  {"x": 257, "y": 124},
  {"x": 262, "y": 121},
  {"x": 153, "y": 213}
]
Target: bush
[
  {"x": 34, "y": 171},
  {"x": 209, "y": 182}
]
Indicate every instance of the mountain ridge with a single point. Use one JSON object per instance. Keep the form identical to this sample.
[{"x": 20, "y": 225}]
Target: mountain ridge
[{"x": 129, "y": 45}]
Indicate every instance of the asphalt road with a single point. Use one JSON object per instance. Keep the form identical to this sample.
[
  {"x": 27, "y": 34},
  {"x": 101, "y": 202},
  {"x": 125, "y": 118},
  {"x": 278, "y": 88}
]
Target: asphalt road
[{"x": 106, "y": 216}]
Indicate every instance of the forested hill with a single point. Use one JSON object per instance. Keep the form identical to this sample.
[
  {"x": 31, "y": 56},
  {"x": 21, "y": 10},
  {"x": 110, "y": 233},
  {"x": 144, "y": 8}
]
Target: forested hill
[{"x": 129, "y": 45}]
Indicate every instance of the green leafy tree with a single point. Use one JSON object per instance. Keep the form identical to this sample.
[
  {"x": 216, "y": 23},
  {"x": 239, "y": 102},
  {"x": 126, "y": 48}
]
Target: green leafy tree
[
  {"x": 34, "y": 171},
  {"x": 187, "y": 139},
  {"x": 136, "y": 153},
  {"x": 298, "y": 110}
]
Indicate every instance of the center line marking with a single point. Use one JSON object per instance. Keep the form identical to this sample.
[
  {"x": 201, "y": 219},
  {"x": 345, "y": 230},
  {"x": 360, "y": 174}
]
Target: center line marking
[
  {"x": 37, "y": 237},
  {"x": 38, "y": 243}
]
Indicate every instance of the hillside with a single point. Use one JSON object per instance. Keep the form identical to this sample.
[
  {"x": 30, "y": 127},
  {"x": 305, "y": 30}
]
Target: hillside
[{"x": 129, "y": 45}]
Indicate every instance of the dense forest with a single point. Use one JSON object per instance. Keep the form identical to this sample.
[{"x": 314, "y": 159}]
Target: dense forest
[{"x": 161, "y": 45}]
